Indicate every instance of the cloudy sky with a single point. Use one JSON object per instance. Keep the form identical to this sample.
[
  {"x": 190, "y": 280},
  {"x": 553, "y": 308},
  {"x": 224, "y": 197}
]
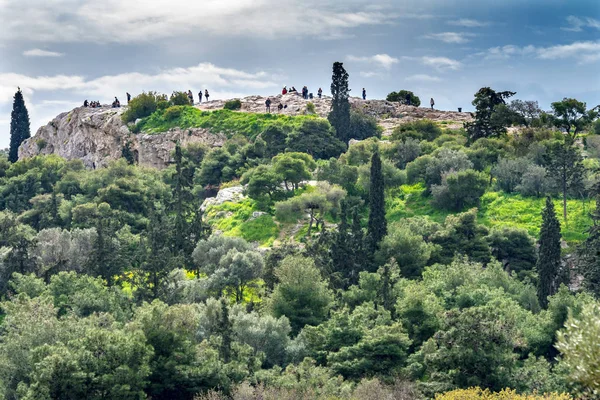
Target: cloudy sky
[{"x": 61, "y": 52}]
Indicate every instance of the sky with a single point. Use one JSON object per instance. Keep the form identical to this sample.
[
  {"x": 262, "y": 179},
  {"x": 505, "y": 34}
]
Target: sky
[{"x": 61, "y": 52}]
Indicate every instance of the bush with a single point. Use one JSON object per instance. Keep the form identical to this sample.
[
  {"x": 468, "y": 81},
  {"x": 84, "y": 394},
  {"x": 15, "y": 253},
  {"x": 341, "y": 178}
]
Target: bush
[
  {"x": 534, "y": 182},
  {"x": 233, "y": 105},
  {"x": 422, "y": 130},
  {"x": 401, "y": 97},
  {"x": 506, "y": 394},
  {"x": 310, "y": 108},
  {"x": 363, "y": 126},
  {"x": 509, "y": 172},
  {"x": 180, "y": 99},
  {"x": 596, "y": 127},
  {"x": 172, "y": 113},
  {"x": 459, "y": 190},
  {"x": 141, "y": 106}
]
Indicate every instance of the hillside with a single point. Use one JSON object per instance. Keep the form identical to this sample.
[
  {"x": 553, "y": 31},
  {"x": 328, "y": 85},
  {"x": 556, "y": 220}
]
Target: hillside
[
  {"x": 97, "y": 135},
  {"x": 390, "y": 252}
]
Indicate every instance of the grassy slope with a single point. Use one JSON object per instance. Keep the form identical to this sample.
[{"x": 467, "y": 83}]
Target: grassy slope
[
  {"x": 496, "y": 209},
  {"x": 220, "y": 121}
]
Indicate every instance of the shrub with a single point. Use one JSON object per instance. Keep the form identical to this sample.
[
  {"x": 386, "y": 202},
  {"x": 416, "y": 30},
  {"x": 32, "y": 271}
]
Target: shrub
[
  {"x": 596, "y": 127},
  {"x": 578, "y": 343},
  {"x": 506, "y": 394},
  {"x": 422, "y": 130},
  {"x": 41, "y": 144},
  {"x": 406, "y": 151},
  {"x": 172, "y": 113},
  {"x": 363, "y": 126},
  {"x": 141, "y": 106},
  {"x": 310, "y": 108},
  {"x": 180, "y": 99},
  {"x": 233, "y": 105},
  {"x": 534, "y": 182},
  {"x": 459, "y": 190},
  {"x": 509, "y": 172},
  {"x": 400, "y": 97}
]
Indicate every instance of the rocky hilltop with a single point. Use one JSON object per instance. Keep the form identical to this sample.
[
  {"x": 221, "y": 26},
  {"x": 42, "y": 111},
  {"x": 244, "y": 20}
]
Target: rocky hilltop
[
  {"x": 389, "y": 114},
  {"x": 97, "y": 135}
]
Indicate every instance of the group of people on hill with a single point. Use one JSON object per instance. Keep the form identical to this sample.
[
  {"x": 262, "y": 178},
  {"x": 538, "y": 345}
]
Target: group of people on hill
[
  {"x": 92, "y": 104},
  {"x": 116, "y": 103},
  {"x": 306, "y": 95},
  {"x": 200, "y": 94},
  {"x": 268, "y": 103}
]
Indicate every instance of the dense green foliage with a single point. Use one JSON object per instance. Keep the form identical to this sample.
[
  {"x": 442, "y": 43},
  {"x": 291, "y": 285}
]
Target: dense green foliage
[
  {"x": 403, "y": 268},
  {"x": 19, "y": 126},
  {"x": 404, "y": 97}
]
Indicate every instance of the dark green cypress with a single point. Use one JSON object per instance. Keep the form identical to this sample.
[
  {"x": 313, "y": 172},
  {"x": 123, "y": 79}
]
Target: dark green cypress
[
  {"x": 339, "y": 117},
  {"x": 19, "y": 126},
  {"x": 377, "y": 226},
  {"x": 548, "y": 265},
  {"x": 225, "y": 330}
]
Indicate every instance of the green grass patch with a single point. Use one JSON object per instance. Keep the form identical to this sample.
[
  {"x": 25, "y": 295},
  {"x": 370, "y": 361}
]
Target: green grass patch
[
  {"x": 526, "y": 212},
  {"x": 496, "y": 209},
  {"x": 219, "y": 121},
  {"x": 235, "y": 219}
]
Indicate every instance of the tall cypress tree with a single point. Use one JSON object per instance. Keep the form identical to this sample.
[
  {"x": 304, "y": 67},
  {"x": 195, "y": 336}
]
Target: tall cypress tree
[
  {"x": 19, "y": 126},
  {"x": 339, "y": 117},
  {"x": 548, "y": 264},
  {"x": 377, "y": 226}
]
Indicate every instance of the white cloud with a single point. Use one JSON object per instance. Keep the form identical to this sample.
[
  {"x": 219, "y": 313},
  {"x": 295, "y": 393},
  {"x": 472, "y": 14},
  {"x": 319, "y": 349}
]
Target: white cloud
[
  {"x": 577, "y": 24},
  {"x": 147, "y": 20},
  {"x": 580, "y": 52},
  {"x": 369, "y": 74},
  {"x": 422, "y": 78},
  {"x": 441, "y": 63},
  {"x": 41, "y": 53},
  {"x": 216, "y": 79},
  {"x": 469, "y": 23},
  {"x": 450, "y": 37},
  {"x": 505, "y": 52},
  {"x": 384, "y": 61}
]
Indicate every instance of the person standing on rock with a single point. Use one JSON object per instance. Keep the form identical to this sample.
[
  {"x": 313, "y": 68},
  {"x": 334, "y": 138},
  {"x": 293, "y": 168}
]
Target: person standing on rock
[
  {"x": 191, "y": 97},
  {"x": 320, "y": 92},
  {"x": 128, "y": 97},
  {"x": 364, "y": 93},
  {"x": 432, "y": 103},
  {"x": 408, "y": 99},
  {"x": 268, "y": 105},
  {"x": 206, "y": 95},
  {"x": 284, "y": 90},
  {"x": 200, "y": 96}
]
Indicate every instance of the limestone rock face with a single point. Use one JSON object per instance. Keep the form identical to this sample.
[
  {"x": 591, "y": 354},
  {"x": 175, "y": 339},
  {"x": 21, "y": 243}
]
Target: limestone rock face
[
  {"x": 232, "y": 194},
  {"x": 97, "y": 136},
  {"x": 388, "y": 114}
]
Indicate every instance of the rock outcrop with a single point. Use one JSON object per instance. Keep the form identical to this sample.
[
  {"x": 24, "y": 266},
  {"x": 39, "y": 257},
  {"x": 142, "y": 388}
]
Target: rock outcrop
[
  {"x": 97, "y": 136},
  {"x": 389, "y": 114}
]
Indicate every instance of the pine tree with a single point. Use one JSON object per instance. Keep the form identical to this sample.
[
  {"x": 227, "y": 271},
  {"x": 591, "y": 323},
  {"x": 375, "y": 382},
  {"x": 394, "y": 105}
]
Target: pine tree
[
  {"x": 19, "y": 126},
  {"x": 339, "y": 117},
  {"x": 377, "y": 226},
  {"x": 549, "y": 263},
  {"x": 565, "y": 167}
]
